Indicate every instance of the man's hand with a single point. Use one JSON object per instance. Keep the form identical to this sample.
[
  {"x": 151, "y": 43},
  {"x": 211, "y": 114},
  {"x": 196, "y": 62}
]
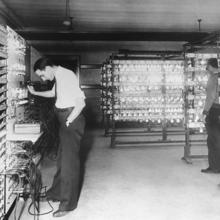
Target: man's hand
[
  {"x": 202, "y": 118},
  {"x": 31, "y": 89},
  {"x": 80, "y": 103},
  {"x": 69, "y": 120}
]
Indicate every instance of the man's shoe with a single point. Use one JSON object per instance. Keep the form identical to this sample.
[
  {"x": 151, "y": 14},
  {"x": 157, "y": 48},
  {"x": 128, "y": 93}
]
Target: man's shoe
[
  {"x": 48, "y": 198},
  {"x": 210, "y": 170},
  {"x": 60, "y": 213},
  {"x": 206, "y": 170},
  {"x": 52, "y": 199}
]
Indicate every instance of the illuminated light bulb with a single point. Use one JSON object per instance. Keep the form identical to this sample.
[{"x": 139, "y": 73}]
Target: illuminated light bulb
[
  {"x": 201, "y": 129},
  {"x": 203, "y": 62},
  {"x": 200, "y": 103}
]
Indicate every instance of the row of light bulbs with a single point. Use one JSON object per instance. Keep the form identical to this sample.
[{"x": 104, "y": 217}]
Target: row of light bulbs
[
  {"x": 150, "y": 99},
  {"x": 203, "y": 56},
  {"x": 147, "y": 62},
  {"x": 168, "y": 111},
  {"x": 152, "y": 83},
  {"x": 198, "y": 78},
  {"x": 138, "y": 88},
  {"x": 157, "y": 120}
]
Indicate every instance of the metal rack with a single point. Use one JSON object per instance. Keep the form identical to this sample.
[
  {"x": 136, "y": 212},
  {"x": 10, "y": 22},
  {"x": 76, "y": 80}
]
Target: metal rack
[
  {"x": 13, "y": 96},
  {"x": 3, "y": 88},
  {"x": 196, "y": 56},
  {"x": 154, "y": 101},
  {"x": 193, "y": 92}
]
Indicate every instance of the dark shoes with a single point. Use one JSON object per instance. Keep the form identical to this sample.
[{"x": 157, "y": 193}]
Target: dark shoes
[
  {"x": 63, "y": 208},
  {"x": 52, "y": 199},
  {"x": 210, "y": 170},
  {"x": 47, "y": 198},
  {"x": 50, "y": 196},
  {"x": 60, "y": 213}
]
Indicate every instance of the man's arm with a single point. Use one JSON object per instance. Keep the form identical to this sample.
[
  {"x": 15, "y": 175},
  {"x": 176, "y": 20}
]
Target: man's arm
[
  {"x": 80, "y": 104},
  {"x": 46, "y": 94},
  {"x": 210, "y": 95}
]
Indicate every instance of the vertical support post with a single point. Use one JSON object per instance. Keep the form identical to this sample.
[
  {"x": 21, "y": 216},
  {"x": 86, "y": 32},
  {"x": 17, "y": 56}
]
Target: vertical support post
[
  {"x": 28, "y": 63},
  {"x": 105, "y": 98},
  {"x": 105, "y": 124},
  {"x": 163, "y": 88},
  {"x": 187, "y": 147},
  {"x": 113, "y": 136},
  {"x": 5, "y": 196}
]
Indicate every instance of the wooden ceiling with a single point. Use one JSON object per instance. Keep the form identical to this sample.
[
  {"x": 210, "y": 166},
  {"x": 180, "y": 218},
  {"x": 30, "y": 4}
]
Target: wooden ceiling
[
  {"x": 119, "y": 15},
  {"x": 97, "y": 23}
]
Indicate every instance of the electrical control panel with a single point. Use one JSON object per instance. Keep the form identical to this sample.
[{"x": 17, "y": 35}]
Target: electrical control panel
[
  {"x": 3, "y": 106},
  {"x": 13, "y": 97},
  {"x": 17, "y": 91}
]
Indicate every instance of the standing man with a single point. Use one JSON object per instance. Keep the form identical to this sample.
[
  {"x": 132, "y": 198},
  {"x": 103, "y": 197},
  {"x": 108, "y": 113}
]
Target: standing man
[
  {"x": 68, "y": 107},
  {"x": 212, "y": 113}
]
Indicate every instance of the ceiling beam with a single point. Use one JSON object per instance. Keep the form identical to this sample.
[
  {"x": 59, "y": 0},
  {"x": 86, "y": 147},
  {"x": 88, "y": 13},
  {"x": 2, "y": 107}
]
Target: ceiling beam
[{"x": 118, "y": 36}]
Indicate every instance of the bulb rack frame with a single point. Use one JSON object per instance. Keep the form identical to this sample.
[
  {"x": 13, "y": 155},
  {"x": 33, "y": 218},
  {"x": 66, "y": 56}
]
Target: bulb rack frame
[
  {"x": 192, "y": 137},
  {"x": 111, "y": 129},
  {"x": 207, "y": 47}
]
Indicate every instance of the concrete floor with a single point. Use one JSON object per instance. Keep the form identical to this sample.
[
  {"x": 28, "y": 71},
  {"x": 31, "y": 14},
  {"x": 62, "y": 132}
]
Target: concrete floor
[{"x": 140, "y": 184}]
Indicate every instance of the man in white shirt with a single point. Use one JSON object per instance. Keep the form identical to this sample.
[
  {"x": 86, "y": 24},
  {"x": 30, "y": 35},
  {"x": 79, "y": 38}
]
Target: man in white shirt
[{"x": 68, "y": 106}]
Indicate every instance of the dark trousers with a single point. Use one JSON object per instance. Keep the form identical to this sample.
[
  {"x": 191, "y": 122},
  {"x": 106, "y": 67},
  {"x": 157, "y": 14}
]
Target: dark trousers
[
  {"x": 213, "y": 140},
  {"x": 65, "y": 185}
]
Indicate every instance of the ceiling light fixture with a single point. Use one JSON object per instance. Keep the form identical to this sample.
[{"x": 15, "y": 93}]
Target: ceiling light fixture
[
  {"x": 199, "y": 21},
  {"x": 68, "y": 21}
]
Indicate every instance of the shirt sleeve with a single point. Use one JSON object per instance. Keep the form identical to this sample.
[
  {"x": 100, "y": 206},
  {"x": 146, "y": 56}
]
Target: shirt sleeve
[
  {"x": 77, "y": 90},
  {"x": 211, "y": 90}
]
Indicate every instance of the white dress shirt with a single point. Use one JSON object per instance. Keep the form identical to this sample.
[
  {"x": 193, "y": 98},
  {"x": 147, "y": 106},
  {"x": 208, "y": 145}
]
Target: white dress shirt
[{"x": 67, "y": 88}]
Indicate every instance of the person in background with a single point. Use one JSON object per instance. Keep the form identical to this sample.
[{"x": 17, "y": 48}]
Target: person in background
[
  {"x": 68, "y": 107},
  {"x": 212, "y": 117}
]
